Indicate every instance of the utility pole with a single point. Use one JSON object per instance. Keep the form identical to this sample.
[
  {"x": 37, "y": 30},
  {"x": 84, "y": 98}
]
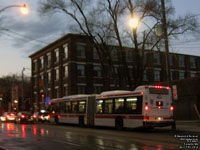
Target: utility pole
[
  {"x": 164, "y": 26},
  {"x": 22, "y": 100}
]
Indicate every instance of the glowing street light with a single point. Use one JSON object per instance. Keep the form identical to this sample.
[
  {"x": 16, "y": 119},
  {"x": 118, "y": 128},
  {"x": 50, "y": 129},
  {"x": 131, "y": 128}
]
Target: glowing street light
[
  {"x": 133, "y": 22},
  {"x": 23, "y": 8}
]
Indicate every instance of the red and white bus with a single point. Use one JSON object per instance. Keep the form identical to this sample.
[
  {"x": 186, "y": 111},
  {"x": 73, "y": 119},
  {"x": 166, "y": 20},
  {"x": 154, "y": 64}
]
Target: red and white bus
[{"x": 147, "y": 106}]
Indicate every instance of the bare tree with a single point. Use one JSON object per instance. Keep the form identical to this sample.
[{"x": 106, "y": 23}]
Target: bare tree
[{"x": 109, "y": 33}]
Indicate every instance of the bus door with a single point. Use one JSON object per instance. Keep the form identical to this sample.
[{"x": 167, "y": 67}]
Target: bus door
[{"x": 158, "y": 103}]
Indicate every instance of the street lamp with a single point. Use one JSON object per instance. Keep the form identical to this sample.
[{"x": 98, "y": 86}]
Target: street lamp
[
  {"x": 23, "y": 8},
  {"x": 133, "y": 22}
]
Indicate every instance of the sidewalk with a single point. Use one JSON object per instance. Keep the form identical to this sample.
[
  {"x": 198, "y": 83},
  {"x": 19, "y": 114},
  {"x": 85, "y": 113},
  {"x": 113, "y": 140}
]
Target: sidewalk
[{"x": 188, "y": 125}]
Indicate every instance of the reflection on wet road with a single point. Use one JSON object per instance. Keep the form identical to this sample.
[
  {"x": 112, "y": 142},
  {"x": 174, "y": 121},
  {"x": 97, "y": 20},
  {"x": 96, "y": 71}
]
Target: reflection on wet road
[{"x": 44, "y": 136}]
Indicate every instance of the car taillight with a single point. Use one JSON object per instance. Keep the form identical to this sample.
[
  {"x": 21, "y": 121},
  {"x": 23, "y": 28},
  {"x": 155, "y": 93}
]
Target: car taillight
[
  {"x": 159, "y": 107},
  {"x": 34, "y": 116},
  {"x": 49, "y": 116},
  {"x": 41, "y": 116},
  {"x": 58, "y": 116},
  {"x": 146, "y": 107},
  {"x": 23, "y": 116},
  {"x": 172, "y": 108}
]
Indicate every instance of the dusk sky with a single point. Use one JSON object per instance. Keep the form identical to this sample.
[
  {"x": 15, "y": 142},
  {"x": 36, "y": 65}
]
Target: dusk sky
[{"x": 20, "y": 35}]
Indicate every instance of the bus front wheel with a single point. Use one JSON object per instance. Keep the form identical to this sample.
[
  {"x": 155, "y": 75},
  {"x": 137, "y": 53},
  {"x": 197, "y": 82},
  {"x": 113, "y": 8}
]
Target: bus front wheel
[{"x": 119, "y": 123}]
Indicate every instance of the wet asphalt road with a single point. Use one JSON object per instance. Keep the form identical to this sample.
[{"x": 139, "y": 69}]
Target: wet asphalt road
[{"x": 61, "y": 137}]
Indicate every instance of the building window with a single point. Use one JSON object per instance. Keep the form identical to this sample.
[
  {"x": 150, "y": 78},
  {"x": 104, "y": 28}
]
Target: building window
[
  {"x": 65, "y": 54},
  {"x": 41, "y": 62},
  {"x": 171, "y": 62},
  {"x": 192, "y": 62},
  {"x": 65, "y": 90},
  {"x": 56, "y": 74},
  {"x": 192, "y": 74},
  {"x": 181, "y": 61},
  {"x": 97, "y": 71},
  {"x": 156, "y": 75},
  {"x": 81, "y": 70},
  {"x": 56, "y": 93},
  {"x": 95, "y": 54},
  {"x": 56, "y": 55},
  {"x": 35, "y": 81},
  {"x": 156, "y": 57},
  {"x": 35, "y": 66},
  {"x": 65, "y": 71},
  {"x": 114, "y": 54},
  {"x": 49, "y": 77},
  {"x": 80, "y": 50},
  {"x": 145, "y": 78},
  {"x": 48, "y": 59},
  {"x": 172, "y": 75},
  {"x": 97, "y": 89},
  {"x": 129, "y": 56},
  {"x": 181, "y": 75},
  {"x": 81, "y": 89}
]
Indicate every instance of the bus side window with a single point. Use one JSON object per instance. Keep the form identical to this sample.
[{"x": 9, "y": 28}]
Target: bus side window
[
  {"x": 108, "y": 106},
  {"x": 74, "y": 107},
  {"x": 119, "y": 105},
  {"x": 68, "y": 107},
  {"x": 57, "y": 108},
  {"x": 131, "y": 104},
  {"x": 62, "y": 107},
  {"x": 99, "y": 106},
  {"x": 81, "y": 107}
]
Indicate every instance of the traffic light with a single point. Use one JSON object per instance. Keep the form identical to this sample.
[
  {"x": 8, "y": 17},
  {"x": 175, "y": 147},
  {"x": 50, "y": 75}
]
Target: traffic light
[
  {"x": 1, "y": 97},
  {"x": 42, "y": 95}
]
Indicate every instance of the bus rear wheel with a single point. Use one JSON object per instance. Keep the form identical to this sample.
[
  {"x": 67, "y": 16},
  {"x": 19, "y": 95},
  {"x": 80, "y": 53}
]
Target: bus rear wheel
[{"x": 119, "y": 123}]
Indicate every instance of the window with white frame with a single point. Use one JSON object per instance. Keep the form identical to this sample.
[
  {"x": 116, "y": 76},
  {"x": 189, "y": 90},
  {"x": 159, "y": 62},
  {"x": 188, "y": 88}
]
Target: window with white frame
[
  {"x": 35, "y": 66},
  {"x": 80, "y": 50},
  {"x": 48, "y": 59},
  {"x": 42, "y": 62},
  {"x": 65, "y": 90},
  {"x": 192, "y": 62},
  {"x": 65, "y": 53},
  {"x": 81, "y": 89},
  {"x": 65, "y": 71},
  {"x": 56, "y": 55},
  {"x": 156, "y": 58},
  {"x": 156, "y": 75},
  {"x": 81, "y": 70},
  {"x": 192, "y": 74},
  {"x": 49, "y": 77},
  {"x": 97, "y": 71},
  {"x": 181, "y": 61},
  {"x": 56, "y": 74},
  {"x": 181, "y": 75},
  {"x": 95, "y": 54}
]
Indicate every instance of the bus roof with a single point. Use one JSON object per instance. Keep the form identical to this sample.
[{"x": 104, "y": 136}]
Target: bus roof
[{"x": 71, "y": 97}]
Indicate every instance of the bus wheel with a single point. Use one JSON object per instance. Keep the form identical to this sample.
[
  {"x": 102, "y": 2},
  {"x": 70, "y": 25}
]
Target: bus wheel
[
  {"x": 119, "y": 123},
  {"x": 81, "y": 121},
  {"x": 56, "y": 120}
]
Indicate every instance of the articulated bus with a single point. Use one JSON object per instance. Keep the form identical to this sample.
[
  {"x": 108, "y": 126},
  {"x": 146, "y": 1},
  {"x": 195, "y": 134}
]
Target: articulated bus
[{"x": 147, "y": 106}]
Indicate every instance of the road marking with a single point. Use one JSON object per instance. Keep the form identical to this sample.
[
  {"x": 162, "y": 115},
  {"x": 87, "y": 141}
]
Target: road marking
[{"x": 67, "y": 143}]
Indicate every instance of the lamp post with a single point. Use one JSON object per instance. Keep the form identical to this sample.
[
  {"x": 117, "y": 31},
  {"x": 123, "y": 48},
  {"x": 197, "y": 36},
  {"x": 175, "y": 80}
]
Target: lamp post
[{"x": 23, "y": 8}]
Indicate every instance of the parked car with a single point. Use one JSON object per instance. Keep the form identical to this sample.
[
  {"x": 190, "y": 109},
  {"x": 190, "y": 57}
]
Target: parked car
[
  {"x": 8, "y": 116},
  {"x": 42, "y": 116},
  {"x": 24, "y": 117}
]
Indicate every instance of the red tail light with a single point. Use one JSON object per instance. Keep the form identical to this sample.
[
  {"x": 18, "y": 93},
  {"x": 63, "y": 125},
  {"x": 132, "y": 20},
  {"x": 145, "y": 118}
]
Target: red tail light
[
  {"x": 49, "y": 116},
  {"x": 172, "y": 108},
  {"x": 41, "y": 117},
  {"x": 146, "y": 107},
  {"x": 34, "y": 116},
  {"x": 159, "y": 107},
  {"x": 58, "y": 116},
  {"x": 23, "y": 116}
]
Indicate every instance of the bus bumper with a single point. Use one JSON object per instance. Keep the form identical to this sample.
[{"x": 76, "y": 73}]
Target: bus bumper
[{"x": 158, "y": 123}]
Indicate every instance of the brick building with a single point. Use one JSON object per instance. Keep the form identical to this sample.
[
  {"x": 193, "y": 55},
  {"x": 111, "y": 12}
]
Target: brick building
[{"x": 70, "y": 65}]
